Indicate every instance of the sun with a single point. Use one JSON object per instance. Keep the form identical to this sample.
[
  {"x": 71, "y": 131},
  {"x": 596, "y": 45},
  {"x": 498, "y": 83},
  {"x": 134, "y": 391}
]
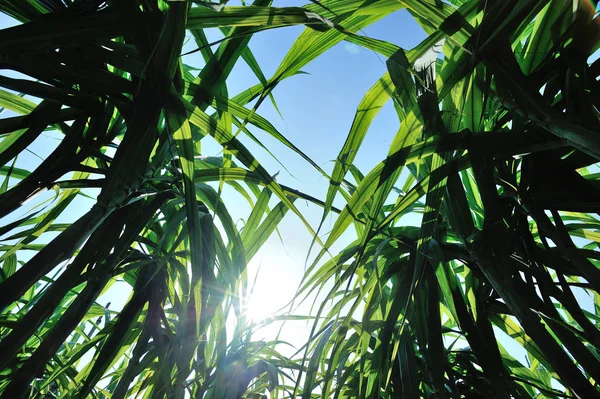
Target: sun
[
  {"x": 271, "y": 290},
  {"x": 260, "y": 307}
]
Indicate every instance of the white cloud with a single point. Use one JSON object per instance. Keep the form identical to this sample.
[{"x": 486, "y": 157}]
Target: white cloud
[{"x": 351, "y": 48}]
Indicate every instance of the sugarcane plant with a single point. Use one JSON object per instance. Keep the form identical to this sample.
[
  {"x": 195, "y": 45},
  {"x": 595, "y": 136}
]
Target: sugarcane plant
[
  {"x": 494, "y": 293},
  {"x": 108, "y": 79},
  {"x": 496, "y": 154}
]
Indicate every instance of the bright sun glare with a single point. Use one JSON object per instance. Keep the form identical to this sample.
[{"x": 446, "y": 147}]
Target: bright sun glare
[
  {"x": 271, "y": 291},
  {"x": 259, "y": 307}
]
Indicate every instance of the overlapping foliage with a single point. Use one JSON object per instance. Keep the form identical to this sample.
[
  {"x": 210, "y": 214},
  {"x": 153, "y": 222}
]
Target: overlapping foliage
[{"x": 496, "y": 149}]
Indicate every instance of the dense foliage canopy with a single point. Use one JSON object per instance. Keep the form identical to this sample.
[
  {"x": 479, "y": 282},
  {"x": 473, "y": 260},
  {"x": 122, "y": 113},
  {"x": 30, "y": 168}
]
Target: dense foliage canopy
[{"x": 497, "y": 149}]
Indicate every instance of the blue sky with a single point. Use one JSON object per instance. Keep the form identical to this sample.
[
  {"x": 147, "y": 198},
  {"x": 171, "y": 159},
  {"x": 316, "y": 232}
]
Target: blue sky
[{"x": 317, "y": 109}]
